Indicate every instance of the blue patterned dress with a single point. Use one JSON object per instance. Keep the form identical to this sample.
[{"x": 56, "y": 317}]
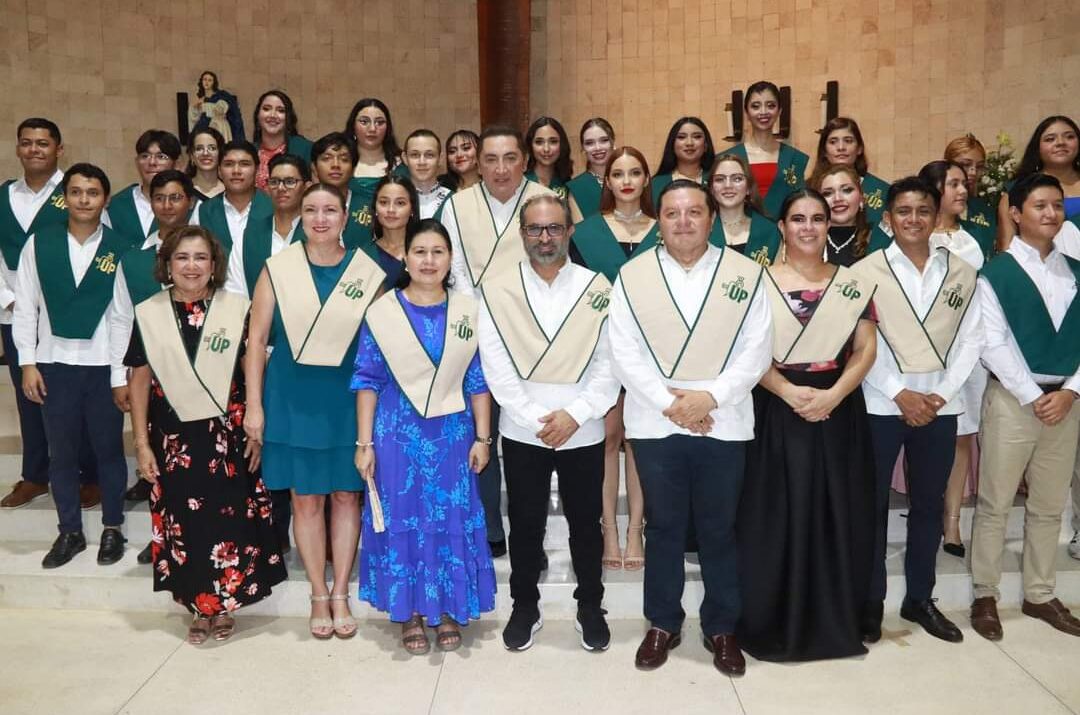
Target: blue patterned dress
[{"x": 433, "y": 557}]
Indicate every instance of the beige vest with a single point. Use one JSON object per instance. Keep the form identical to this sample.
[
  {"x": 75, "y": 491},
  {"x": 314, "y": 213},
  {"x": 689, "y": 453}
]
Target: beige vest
[
  {"x": 919, "y": 345},
  {"x": 685, "y": 350},
  {"x": 829, "y": 328},
  {"x": 433, "y": 389},
  {"x": 486, "y": 251},
  {"x": 320, "y": 333},
  {"x": 561, "y": 358},
  {"x": 197, "y": 389}
]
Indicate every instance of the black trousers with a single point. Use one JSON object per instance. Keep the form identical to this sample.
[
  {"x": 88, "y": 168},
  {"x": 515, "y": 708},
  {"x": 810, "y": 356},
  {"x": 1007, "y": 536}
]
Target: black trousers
[
  {"x": 528, "y": 487},
  {"x": 490, "y": 483}
]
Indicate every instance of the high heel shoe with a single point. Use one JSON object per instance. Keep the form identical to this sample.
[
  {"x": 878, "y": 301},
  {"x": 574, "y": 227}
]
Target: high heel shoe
[
  {"x": 952, "y": 549},
  {"x": 634, "y": 563},
  {"x": 608, "y": 560}
]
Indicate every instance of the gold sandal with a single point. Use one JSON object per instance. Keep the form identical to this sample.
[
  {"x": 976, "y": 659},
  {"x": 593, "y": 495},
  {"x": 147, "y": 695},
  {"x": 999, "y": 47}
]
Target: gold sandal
[
  {"x": 320, "y": 627},
  {"x": 413, "y": 637},
  {"x": 633, "y": 563},
  {"x": 607, "y": 560},
  {"x": 199, "y": 630},
  {"x": 344, "y": 626}
]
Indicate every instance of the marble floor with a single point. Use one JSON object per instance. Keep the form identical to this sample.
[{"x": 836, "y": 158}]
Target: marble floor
[{"x": 90, "y": 662}]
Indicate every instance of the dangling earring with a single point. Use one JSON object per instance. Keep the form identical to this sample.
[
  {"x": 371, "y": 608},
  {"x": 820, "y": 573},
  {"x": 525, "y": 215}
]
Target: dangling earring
[{"x": 783, "y": 251}]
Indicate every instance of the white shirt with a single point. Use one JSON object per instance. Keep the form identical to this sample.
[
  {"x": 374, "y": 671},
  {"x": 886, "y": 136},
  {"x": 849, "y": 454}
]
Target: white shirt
[
  {"x": 25, "y": 205},
  {"x": 1001, "y": 355},
  {"x": 1067, "y": 240},
  {"x": 31, "y": 329},
  {"x": 235, "y": 219},
  {"x": 647, "y": 393},
  {"x": 884, "y": 381},
  {"x": 502, "y": 212},
  {"x": 121, "y": 317},
  {"x": 236, "y": 279},
  {"x": 142, "y": 207},
  {"x": 431, "y": 200},
  {"x": 524, "y": 402},
  {"x": 961, "y": 244}
]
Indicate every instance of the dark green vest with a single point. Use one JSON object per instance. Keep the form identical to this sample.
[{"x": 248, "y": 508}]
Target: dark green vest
[
  {"x": 874, "y": 191},
  {"x": 124, "y": 217},
  {"x": 139, "y": 274},
  {"x": 762, "y": 245},
  {"x": 12, "y": 235},
  {"x": 661, "y": 181},
  {"x": 790, "y": 171},
  {"x": 586, "y": 191},
  {"x": 981, "y": 223},
  {"x": 212, "y": 216},
  {"x": 601, "y": 250},
  {"x": 300, "y": 146},
  {"x": 258, "y": 240},
  {"x": 75, "y": 311}
]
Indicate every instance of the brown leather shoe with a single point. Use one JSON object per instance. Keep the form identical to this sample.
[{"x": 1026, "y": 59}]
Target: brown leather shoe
[
  {"x": 89, "y": 496},
  {"x": 653, "y": 651},
  {"x": 1054, "y": 613},
  {"x": 984, "y": 618},
  {"x": 23, "y": 493},
  {"x": 727, "y": 656}
]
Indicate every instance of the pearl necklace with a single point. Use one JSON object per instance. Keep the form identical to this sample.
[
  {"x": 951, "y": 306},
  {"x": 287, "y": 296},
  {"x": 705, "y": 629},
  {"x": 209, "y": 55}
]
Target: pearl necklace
[{"x": 627, "y": 218}]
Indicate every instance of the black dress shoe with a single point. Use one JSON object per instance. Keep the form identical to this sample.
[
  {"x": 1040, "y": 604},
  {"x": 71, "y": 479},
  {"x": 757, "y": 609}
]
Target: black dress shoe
[
  {"x": 140, "y": 491},
  {"x": 64, "y": 549},
  {"x": 112, "y": 547},
  {"x": 870, "y": 624},
  {"x": 146, "y": 555},
  {"x": 932, "y": 620},
  {"x": 957, "y": 550},
  {"x": 498, "y": 548}
]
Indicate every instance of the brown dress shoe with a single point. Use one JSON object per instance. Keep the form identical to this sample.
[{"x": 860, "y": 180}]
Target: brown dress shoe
[
  {"x": 984, "y": 618},
  {"x": 1054, "y": 613},
  {"x": 727, "y": 656},
  {"x": 89, "y": 496},
  {"x": 23, "y": 493},
  {"x": 653, "y": 651}
]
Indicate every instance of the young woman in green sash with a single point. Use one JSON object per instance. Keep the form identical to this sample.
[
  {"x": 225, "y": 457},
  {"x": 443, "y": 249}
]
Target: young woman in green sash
[
  {"x": 462, "y": 166},
  {"x": 276, "y": 132},
  {"x": 371, "y": 127},
  {"x": 850, "y": 232},
  {"x": 597, "y": 140},
  {"x": 688, "y": 154},
  {"x": 841, "y": 142},
  {"x": 203, "y": 160},
  {"x": 980, "y": 220},
  {"x": 603, "y": 242},
  {"x": 740, "y": 222},
  {"x": 214, "y": 546},
  {"x": 778, "y": 167},
  {"x": 549, "y": 161}
]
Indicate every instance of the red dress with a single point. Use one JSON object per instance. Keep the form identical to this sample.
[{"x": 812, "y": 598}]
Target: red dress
[{"x": 764, "y": 174}]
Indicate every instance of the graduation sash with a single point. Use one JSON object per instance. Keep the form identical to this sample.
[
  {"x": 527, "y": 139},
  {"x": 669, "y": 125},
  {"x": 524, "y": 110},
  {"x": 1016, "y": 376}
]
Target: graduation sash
[
  {"x": 761, "y": 246},
  {"x": 12, "y": 235},
  {"x": 320, "y": 333},
  {"x": 212, "y": 216},
  {"x": 357, "y": 232},
  {"x": 487, "y": 251},
  {"x": 258, "y": 241},
  {"x": 981, "y": 223},
  {"x": 874, "y": 191},
  {"x": 197, "y": 388},
  {"x": 139, "y": 273},
  {"x": 124, "y": 217},
  {"x": 434, "y": 390},
  {"x": 919, "y": 344},
  {"x": 690, "y": 348},
  {"x": 829, "y": 328},
  {"x": 660, "y": 181},
  {"x": 586, "y": 191},
  {"x": 557, "y": 187},
  {"x": 299, "y": 145},
  {"x": 600, "y": 247},
  {"x": 1047, "y": 351},
  {"x": 790, "y": 170},
  {"x": 76, "y": 310},
  {"x": 560, "y": 358}
]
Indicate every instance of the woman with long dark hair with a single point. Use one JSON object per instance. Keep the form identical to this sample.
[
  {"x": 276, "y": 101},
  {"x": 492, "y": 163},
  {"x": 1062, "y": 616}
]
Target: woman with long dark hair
[
  {"x": 841, "y": 142},
  {"x": 597, "y": 140},
  {"x": 215, "y": 108},
  {"x": 688, "y": 154},
  {"x": 462, "y": 166},
  {"x": 549, "y": 161},
  {"x": 741, "y": 223},
  {"x": 395, "y": 215},
  {"x": 851, "y": 235},
  {"x": 276, "y": 132},
  {"x": 204, "y": 158}
]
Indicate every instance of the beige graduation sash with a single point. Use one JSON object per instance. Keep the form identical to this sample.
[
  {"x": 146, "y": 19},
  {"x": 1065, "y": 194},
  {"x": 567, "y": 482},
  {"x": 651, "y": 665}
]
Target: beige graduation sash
[
  {"x": 199, "y": 389},
  {"x": 562, "y": 358},
  {"x": 919, "y": 345},
  {"x": 684, "y": 350},
  {"x": 488, "y": 252},
  {"x": 320, "y": 333},
  {"x": 828, "y": 330},
  {"x": 434, "y": 390}
]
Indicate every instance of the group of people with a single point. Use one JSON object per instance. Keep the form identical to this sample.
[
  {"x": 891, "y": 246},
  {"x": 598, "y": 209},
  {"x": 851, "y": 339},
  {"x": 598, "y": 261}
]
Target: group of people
[{"x": 292, "y": 324}]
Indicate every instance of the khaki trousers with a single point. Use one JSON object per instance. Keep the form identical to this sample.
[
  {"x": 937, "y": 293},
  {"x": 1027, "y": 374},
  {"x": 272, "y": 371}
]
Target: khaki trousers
[{"x": 1014, "y": 442}]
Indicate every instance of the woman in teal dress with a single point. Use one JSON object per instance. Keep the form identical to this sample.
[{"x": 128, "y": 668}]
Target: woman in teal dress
[
  {"x": 427, "y": 557},
  {"x": 378, "y": 154},
  {"x": 841, "y": 142},
  {"x": 779, "y": 168},
  {"x": 304, "y": 416},
  {"x": 688, "y": 154},
  {"x": 980, "y": 219},
  {"x": 549, "y": 155},
  {"x": 740, "y": 221},
  {"x": 597, "y": 141},
  {"x": 276, "y": 132}
]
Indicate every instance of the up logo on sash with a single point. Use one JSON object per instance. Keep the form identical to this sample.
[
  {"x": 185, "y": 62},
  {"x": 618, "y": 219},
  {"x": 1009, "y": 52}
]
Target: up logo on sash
[
  {"x": 217, "y": 342},
  {"x": 736, "y": 289},
  {"x": 849, "y": 290},
  {"x": 953, "y": 296},
  {"x": 57, "y": 201},
  {"x": 107, "y": 263},
  {"x": 462, "y": 329},
  {"x": 874, "y": 200},
  {"x": 362, "y": 216},
  {"x": 979, "y": 220},
  {"x": 598, "y": 299},
  {"x": 353, "y": 290},
  {"x": 761, "y": 256},
  {"x": 791, "y": 177}
]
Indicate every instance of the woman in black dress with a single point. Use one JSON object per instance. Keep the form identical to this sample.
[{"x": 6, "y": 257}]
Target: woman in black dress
[
  {"x": 806, "y": 517},
  {"x": 214, "y": 545},
  {"x": 850, "y": 231}
]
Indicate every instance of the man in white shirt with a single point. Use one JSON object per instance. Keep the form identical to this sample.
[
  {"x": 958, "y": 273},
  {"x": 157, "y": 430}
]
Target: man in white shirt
[
  {"x": 546, "y": 359},
  {"x": 130, "y": 212},
  {"x": 65, "y": 284},
  {"x": 228, "y": 213},
  {"x": 421, "y": 156},
  {"x": 928, "y": 344},
  {"x": 1030, "y": 422},
  {"x": 691, "y": 334}
]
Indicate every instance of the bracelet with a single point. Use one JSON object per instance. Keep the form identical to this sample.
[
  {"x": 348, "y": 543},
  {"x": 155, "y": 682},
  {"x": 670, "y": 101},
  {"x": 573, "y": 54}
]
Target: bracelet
[
  {"x": 364, "y": 444},
  {"x": 484, "y": 440}
]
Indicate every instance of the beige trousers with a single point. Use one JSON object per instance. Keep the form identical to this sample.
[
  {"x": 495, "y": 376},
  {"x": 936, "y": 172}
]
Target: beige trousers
[{"x": 1013, "y": 441}]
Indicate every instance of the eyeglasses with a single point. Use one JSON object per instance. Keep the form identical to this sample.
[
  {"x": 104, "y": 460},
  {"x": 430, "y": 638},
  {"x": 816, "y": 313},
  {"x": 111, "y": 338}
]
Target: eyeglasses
[
  {"x": 555, "y": 230},
  {"x": 168, "y": 198},
  {"x": 289, "y": 182},
  {"x": 367, "y": 122},
  {"x": 734, "y": 179},
  {"x": 160, "y": 156},
  {"x": 210, "y": 149}
]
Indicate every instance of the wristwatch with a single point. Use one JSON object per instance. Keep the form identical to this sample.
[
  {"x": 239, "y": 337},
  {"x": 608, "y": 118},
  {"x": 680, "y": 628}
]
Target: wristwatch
[{"x": 484, "y": 440}]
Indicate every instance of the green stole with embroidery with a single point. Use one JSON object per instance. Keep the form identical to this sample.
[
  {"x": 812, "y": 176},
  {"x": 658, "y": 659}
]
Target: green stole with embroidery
[
  {"x": 600, "y": 248},
  {"x": 586, "y": 191},
  {"x": 76, "y": 310},
  {"x": 557, "y": 187},
  {"x": 874, "y": 191},
  {"x": 661, "y": 181},
  {"x": 358, "y": 227},
  {"x": 124, "y": 217},
  {"x": 138, "y": 267},
  {"x": 981, "y": 223},
  {"x": 761, "y": 246},
  {"x": 790, "y": 170},
  {"x": 258, "y": 239},
  {"x": 212, "y": 216},
  {"x": 12, "y": 235}
]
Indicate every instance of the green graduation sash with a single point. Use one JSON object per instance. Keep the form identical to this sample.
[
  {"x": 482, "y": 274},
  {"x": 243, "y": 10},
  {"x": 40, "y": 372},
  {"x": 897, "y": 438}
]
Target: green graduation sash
[
  {"x": 790, "y": 170},
  {"x": 124, "y": 217},
  {"x": 1046, "y": 350},
  {"x": 557, "y": 186},
  {"x": 299, "y": 145},
  {"x": 12, "y": 235},
  {"x": 76, "y": 311},
  {"x": 600, "y": 248},
  {"x": 361, "y": 212},
  {"x": 874, "y": 191},
  {"x": 212, "y": 216},
  {"x": 761, "y": 246},
  {"x": 138, "y": 267},
  {"x": 258, "y": 238},
  {"x": 981, "y": 223},
  {"x": 662, "y": 180},
  {"x": 585, "y": 190}
]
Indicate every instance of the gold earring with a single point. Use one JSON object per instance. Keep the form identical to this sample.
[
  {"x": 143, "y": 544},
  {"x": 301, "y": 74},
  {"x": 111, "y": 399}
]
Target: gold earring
[{"x": 783, "y": 252}]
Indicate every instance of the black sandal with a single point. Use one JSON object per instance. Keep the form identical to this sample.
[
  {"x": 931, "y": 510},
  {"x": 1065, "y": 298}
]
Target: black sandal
[{"x": 413, "y": 637}]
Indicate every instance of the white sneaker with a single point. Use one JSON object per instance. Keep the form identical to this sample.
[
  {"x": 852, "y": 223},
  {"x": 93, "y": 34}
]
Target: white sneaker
[{"x": 1074, "y": 546}]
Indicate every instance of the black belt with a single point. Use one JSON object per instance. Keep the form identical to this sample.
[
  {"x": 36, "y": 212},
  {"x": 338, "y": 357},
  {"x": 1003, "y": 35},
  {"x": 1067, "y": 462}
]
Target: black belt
[{"x": 1046, "y": 387}]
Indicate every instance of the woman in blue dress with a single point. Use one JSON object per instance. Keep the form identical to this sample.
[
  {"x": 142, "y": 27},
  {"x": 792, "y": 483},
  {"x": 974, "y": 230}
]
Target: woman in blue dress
[{"x": 423, "y": 414}]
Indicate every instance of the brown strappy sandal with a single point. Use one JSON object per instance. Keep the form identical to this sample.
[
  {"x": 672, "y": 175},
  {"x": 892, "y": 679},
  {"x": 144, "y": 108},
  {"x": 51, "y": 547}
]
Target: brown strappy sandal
[
  {"x": 449, "y": 639},
  {"x": 413, "y": 637}
]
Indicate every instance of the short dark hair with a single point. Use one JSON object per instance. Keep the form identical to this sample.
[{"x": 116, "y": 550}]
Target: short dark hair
[
  {"x": 428, "y": 225},
  {"x": 501, "y": 130},
  {"x": 422, "y": 133},
  {"x": 1023, "y": 187},
  {"x": 686, "y": 184},
  {"x": 291, "y": 120},
  {"x": 290, "y": 160},
  {"x": 88, "y": 171},
  {"x": 544, "y": 199},
  {"x": 170, "y": 243},
  {"x": 911, "y": 185},
  {"x": 414, "y": 202},
  {"x": 390, "y": 147},
  {"x": 166, "y": 141},
  {"x": 40, "y": 123},
  {"x": 936, "y": 172},
  {"x": 757, "y": 88},
  {"x": 334, "y": 140},
  {"x": 170, "y": 175},
  {"x": 240, "y": 145}
]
